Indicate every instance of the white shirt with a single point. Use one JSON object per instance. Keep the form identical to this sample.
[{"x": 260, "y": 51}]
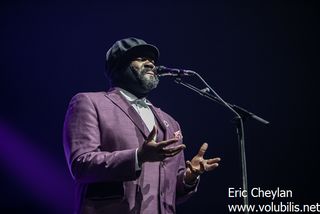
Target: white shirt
[{"x": 143, "y": 109}]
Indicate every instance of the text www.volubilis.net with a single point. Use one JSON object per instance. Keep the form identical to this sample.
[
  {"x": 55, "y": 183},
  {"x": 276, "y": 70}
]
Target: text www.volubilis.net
[{"x": 275, "y": 208}]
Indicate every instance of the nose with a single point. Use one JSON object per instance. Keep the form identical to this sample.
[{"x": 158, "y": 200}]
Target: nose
[{"x": 149, "y": 64}]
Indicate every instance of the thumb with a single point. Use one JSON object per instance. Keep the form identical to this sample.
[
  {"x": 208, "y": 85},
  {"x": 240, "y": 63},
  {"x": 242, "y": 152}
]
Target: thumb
[
  {"x": 189, "y": 165},
  {"x": 153, "y": 134}
]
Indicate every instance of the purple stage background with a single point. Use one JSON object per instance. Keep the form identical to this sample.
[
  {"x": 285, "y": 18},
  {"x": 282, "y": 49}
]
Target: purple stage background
[{"x": 263, "y": 56}]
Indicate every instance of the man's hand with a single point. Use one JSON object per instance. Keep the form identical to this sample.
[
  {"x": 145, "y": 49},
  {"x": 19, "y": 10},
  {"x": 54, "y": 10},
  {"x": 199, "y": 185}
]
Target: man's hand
[
  {"x": 152, "y": 151},
  {"x": 199, "y": 165}
]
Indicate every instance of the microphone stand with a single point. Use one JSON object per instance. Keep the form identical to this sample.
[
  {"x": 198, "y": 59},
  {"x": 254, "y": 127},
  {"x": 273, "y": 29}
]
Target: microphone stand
[{"x": 241, "y": 114}]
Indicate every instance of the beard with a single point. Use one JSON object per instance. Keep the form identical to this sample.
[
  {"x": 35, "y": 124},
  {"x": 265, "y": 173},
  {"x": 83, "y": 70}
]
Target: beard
[
  {"x": 138, "y": 82},
  {"x": 147, "y": 82}
]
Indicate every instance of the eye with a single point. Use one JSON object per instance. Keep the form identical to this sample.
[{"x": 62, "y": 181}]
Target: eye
[
  {"x": 143, "y": 59},
  {"x": 140, "y": 59},
  {"x": 152, "y": 61}
]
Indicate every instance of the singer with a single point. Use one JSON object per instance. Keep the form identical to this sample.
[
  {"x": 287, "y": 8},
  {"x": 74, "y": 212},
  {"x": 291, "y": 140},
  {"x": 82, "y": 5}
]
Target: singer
[{"x": 125, "y": 154}]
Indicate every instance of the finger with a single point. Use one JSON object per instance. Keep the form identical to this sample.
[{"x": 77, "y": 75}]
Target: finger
[
  {"x": 211, "y": 167},
  {"x": 165, "y": 143},
  {"x": 202, "y": 150},
  {"x": 213, "y": 160},
  {"x": 171, "y": 154},
  {"x": 202, "y": 166},
  {"x": 153, "y": 134},
  {"x": 173, "y": 149}
]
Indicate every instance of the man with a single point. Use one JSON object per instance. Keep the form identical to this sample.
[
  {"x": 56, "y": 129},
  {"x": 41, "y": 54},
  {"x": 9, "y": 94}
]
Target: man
[{"x": 125, "y": 154}]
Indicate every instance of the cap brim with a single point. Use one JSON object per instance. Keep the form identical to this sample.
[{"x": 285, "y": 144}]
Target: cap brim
[{"x": 143, "y": 50}]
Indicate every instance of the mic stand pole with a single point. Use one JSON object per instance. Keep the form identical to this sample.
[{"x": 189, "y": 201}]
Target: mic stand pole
[{"x": 240, "y": 113}]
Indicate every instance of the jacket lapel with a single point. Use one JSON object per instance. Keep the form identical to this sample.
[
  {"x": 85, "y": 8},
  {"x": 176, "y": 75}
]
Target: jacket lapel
[
  {"x": 158, "y": 115},
  {"x": 127, "y": 108}
]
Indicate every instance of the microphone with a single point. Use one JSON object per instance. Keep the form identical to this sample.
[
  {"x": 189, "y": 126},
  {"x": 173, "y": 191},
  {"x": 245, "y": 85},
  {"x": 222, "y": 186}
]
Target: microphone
[{"x": 175, "y": 72}]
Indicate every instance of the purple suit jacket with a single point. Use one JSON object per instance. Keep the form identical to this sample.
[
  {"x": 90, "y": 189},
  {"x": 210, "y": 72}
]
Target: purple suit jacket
[{"x": 101, "y": 133}]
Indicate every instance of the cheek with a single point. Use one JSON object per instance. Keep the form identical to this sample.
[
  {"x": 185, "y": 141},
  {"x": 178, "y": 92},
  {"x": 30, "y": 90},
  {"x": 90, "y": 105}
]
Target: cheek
[
  {"x": 138, "y": 65},
  {"x": 135, "y": 66}
]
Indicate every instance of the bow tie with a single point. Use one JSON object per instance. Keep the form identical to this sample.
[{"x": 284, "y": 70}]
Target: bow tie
[{"x": 141, "y": 103}]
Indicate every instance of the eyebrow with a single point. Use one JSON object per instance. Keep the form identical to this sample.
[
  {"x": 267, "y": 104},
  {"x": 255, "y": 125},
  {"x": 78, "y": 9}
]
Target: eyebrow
[{"x": 145, "y": 58}]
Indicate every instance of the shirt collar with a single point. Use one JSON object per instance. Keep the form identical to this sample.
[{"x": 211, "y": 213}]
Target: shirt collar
[{"x": 131, "y": 97}]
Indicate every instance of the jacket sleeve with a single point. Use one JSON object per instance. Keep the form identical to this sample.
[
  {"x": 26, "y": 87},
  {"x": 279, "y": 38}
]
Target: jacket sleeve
[
  {"x": 183, "y": 191},
  {"x": 81, "y": 136}
]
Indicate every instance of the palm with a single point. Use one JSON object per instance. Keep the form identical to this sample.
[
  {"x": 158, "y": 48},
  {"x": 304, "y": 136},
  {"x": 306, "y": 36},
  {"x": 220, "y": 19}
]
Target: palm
[
  {"x": 196, "y": 162},
  {"x": 199, "y": 165}
]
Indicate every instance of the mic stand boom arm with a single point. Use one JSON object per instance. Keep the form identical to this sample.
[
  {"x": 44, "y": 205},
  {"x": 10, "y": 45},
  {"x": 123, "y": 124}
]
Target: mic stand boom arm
[{"x": 240, "y": 113}]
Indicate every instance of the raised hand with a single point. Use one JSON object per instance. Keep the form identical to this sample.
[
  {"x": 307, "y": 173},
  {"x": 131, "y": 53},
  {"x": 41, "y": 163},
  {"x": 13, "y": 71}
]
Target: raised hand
[
  {"x": 199, "y": 165},
  {"x": 152, "y": 151}
]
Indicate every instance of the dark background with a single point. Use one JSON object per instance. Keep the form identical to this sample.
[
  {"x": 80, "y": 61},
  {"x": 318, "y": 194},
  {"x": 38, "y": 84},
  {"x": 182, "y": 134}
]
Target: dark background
[{"x": 262, "y": 55}]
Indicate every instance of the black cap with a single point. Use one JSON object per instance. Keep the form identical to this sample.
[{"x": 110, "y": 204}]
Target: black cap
[{"x": 124, "y": 50}]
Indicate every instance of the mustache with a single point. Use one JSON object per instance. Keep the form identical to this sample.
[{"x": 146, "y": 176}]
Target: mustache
[{"x": 146, "y": 69}]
